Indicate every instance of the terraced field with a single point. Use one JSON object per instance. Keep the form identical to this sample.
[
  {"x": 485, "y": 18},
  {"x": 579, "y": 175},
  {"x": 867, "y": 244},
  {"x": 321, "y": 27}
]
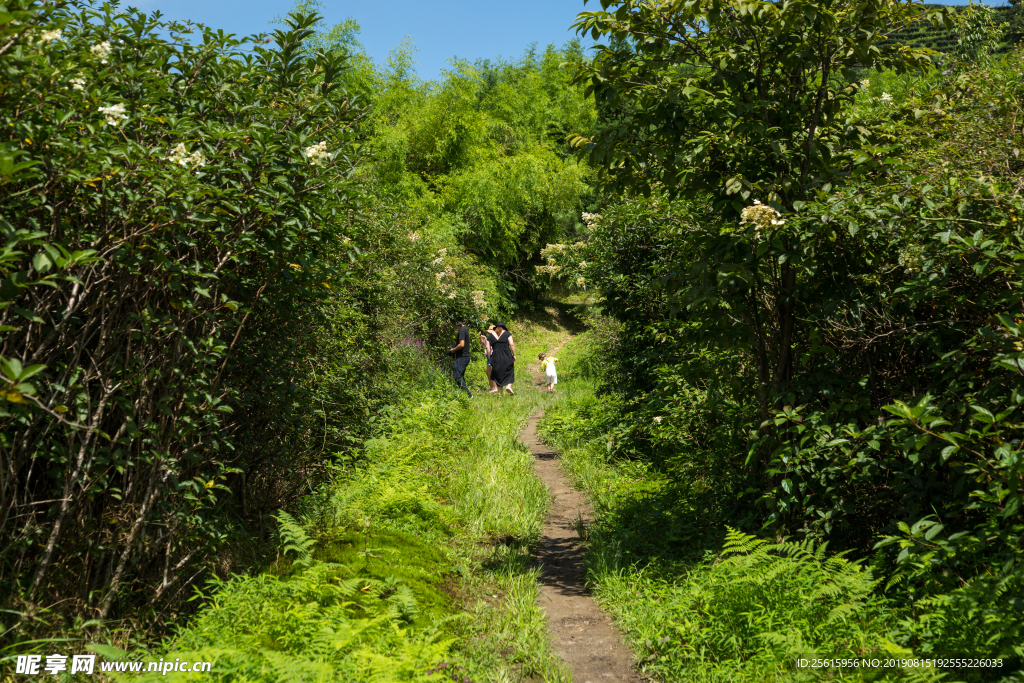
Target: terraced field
[{"x": 924, "y": 34}]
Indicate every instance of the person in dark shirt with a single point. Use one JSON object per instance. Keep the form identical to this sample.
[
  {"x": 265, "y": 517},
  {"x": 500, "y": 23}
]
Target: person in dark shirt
[{"x": 461, "y": 353}]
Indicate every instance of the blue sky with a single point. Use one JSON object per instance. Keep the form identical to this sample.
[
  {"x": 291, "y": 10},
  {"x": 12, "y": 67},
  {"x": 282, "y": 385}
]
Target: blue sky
[{"x": 440, "y": 29}]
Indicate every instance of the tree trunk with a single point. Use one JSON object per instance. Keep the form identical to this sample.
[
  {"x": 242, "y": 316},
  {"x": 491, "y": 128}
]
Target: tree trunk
[{"x": 787, "y": 320}]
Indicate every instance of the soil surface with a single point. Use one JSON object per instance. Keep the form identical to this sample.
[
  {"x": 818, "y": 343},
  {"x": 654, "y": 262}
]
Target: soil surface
[{"x": 582, "y": 634}]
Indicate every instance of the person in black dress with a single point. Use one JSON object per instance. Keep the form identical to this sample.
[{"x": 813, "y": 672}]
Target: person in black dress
[{"x": 503, "y": 358}]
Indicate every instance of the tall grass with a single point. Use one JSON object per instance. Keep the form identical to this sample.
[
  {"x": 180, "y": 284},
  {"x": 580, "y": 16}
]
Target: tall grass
[
  {"x": 412, "y": 564},
  {"x": 699, "y": 602}
]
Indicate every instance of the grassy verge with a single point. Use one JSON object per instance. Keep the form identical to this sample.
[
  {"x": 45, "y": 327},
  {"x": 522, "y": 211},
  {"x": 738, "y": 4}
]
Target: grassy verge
[
  {"x": 699, "y": 601},
  {"x": 412, "y": 565}
]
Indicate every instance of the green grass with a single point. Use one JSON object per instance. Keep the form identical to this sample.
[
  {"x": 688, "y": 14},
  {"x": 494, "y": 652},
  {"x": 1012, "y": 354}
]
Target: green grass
[
  {"x": 414, "y": 564},
  {"x": 696, "y": 601}
]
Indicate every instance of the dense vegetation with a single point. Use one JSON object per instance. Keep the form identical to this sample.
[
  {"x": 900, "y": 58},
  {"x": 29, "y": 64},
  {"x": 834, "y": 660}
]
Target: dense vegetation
[
  {"x": 225, "y": 260},
  {"x": 229, "y": 264},
  {"x": 374, "y": 567},
  {"x": 819, "y": 300},
  {"x": 943, "y": 39}
]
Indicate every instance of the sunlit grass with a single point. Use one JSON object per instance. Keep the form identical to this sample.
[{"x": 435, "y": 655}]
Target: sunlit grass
[
  {"x": 428, "y": 540},
  {"x": 691, "y": 616}
]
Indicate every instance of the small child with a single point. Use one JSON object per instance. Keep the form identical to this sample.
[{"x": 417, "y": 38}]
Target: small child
[{"x": 547, "y": 364}]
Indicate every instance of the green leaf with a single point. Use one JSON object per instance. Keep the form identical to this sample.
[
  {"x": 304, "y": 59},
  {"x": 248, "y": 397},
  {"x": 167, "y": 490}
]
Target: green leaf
[
  {"x": 106, "y": 651},
  {"x": 11, "y": 368},
  {"x": 30, "y": 371},
  {"x": 983, "y": 415},
  {"x": 31, "y": 316},
  {"x": 42, "y": 262}
]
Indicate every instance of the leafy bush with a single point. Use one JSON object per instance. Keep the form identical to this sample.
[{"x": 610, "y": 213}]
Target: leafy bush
[
  {"x": 842, "y": 360},
  {"x": 179, "y": 200},
  {"x": 201, "y": 305}
]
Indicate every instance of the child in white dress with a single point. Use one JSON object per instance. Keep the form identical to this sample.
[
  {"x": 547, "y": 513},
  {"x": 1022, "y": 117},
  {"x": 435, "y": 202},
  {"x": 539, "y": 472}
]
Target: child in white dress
[{"x": 547, "y": 364}]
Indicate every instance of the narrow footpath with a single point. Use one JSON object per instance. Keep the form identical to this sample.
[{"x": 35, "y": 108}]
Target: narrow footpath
[{"x": 582, "y": 634}]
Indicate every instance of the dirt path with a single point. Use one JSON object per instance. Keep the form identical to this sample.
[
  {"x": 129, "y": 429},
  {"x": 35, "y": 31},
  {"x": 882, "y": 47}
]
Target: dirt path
[{"x": 583, "y": 635}]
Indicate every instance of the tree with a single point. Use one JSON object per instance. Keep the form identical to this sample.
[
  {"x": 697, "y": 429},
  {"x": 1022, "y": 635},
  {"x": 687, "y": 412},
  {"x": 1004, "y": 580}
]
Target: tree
[
  {"x": 1015, "y": 21},
  {"x": 184, "y": 202},
  {"x": 978, "y": 34},
  {"x": 741, "y": 99}
]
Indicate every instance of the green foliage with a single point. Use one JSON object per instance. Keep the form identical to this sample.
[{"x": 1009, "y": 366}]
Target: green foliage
[
  {"x": 176, "y": 212},
  {"x": 1014, "y": 15},
  {"x": 944, "y": 38},
  {"x": 209, "y": 300},
  {"x": 374, "y": 567},
  {"x": 749, "y": 613},
  {"x": 701, "y": 602},
  {"x": 203, "y": 305},
  {"x": 361, "y": 79},
  {"x": 294, "y": 539},
  {"x": 739, "y": 99},
  {"x": 978, "y": 34},
  {"x": 841, "y": 367},
  {"x": 482, "y": 157},
  {"x": 323, "y": 623},
  {"x": 510, "y": 205}
]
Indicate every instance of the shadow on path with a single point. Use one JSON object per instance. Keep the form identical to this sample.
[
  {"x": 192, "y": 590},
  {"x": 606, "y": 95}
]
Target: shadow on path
[{"x": 582, "y": 634}]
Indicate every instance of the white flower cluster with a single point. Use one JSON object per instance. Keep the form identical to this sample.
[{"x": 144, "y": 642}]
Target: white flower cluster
[
  {"x": 910, "y": 259},
  {"x": 591, "y": 219},
  {"x": 77, "y": 83},
  {"x": 553, "y": 252},
  {"x": 446, "y": 277},
  {"x": 478, "y": 298},
  {"x": 101, "y": 50},
  {"x": 318, "y": 154},
  {"x": 179, "y": 155},
  {"x": 761, "y": 216},
  {"x": 865, "y": 83},
  {"x": 886, "y": 98},
  {"x": 50, "y": 36},
  {"x": 413, "y": 236},
  {"x": 446, "y": 282},
  {"x": 114, "y": 114},
  {"x": 580, "y": 282},
  {"x": 551, "y": 268},
  {"x": 549, "y": 252}
]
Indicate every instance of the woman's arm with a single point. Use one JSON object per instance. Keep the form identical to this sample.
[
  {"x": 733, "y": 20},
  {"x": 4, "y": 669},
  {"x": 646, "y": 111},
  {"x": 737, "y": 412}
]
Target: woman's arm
[{"x": 512, "y": 345}]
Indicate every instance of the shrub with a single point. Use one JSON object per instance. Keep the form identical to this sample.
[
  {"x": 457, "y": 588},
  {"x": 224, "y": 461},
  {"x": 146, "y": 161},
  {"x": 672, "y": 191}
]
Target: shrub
[{"x": 167, "y": 202}]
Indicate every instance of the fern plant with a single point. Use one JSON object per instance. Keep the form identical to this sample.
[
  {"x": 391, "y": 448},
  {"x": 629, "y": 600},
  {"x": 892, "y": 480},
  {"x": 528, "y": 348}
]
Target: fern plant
[
  {"x": 319, "y": 624},
  {"x": 751, "y": 611},
  {"x": 294, "y": 539}
]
